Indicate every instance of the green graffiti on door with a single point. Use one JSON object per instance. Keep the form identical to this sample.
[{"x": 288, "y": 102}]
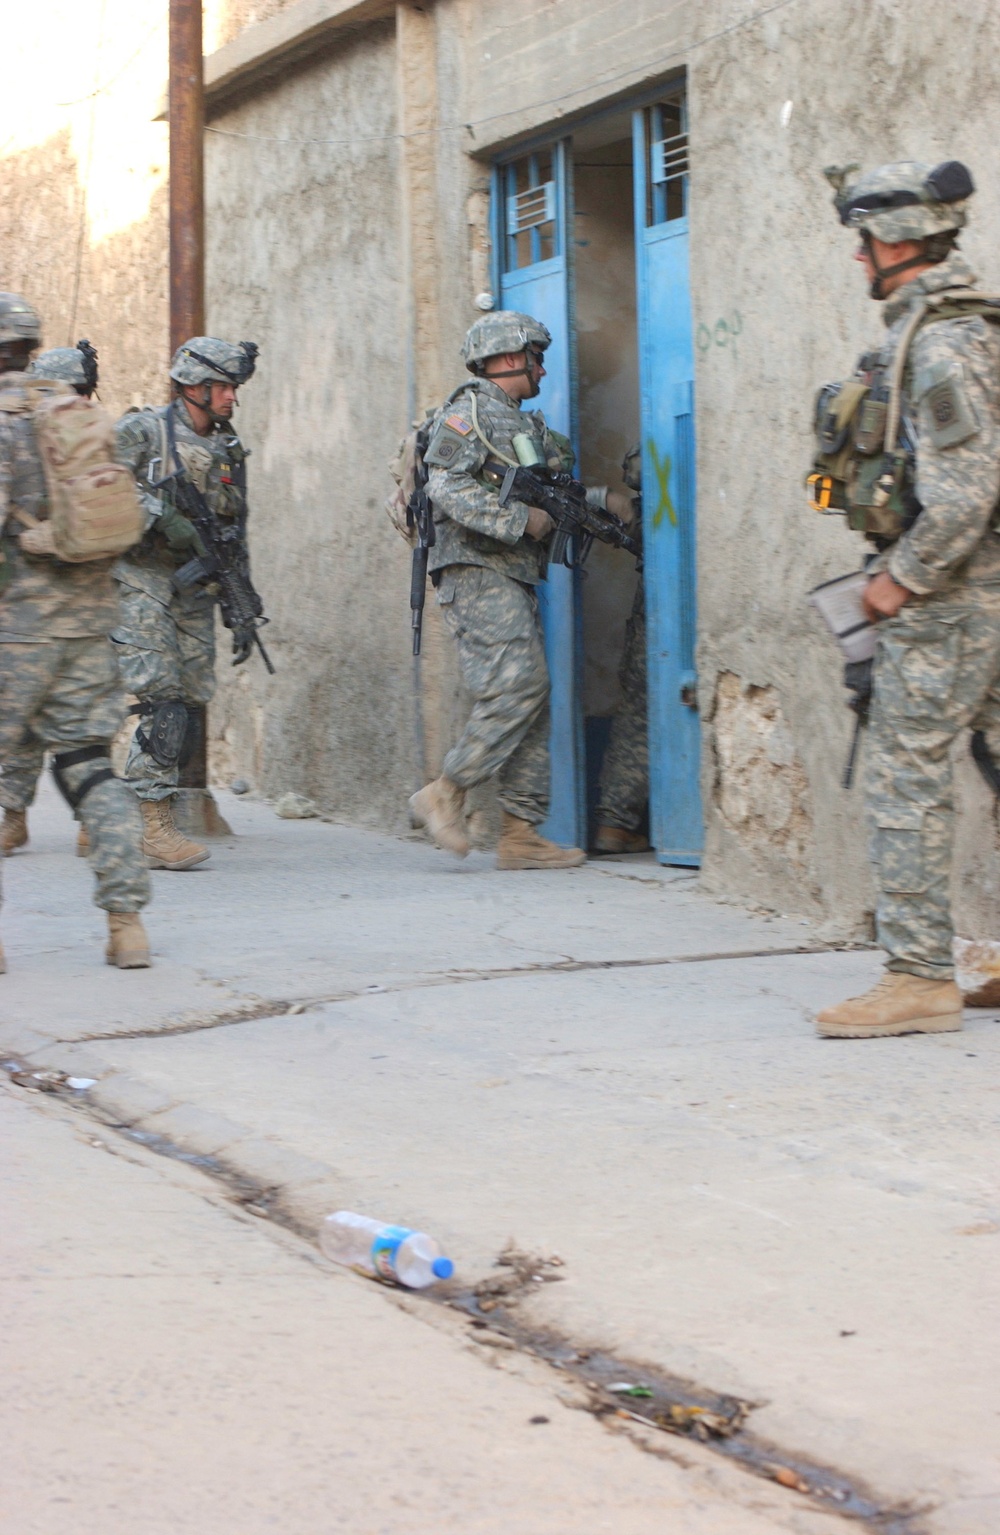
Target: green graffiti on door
[{"x": 661, "y": 468}]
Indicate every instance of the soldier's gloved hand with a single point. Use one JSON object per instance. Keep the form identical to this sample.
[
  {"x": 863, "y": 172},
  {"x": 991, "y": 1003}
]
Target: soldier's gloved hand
[
  {"x": 176, "y": 529},
  {"x": 539, "y": 524},
  {"x": 621, "y": 506},
  {"x": 242, "y": 645}
]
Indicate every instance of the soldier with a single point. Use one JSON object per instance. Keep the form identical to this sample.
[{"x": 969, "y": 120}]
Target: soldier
[
  {"x": 58, "y": 676},
  {"x": 927, "y": 496},
  {"x": 486, "y": 563},
  {"x": 76, "y": 366},
  {"x": 624, "y": 786},
  {"x": 165, "y": 637}
]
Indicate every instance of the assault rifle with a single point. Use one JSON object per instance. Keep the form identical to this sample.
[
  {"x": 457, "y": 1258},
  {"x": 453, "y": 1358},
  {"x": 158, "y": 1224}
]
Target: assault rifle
[
  {"x": 222, "y": 559},
  {"x": 858, "y": 682},
  {"x": 565, "y": 499},
  {"x": 419, "y": 520}
]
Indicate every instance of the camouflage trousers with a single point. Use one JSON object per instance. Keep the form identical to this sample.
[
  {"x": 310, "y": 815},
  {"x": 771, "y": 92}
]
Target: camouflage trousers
[
  {"x": 166, "y": 650},
  {"x": 937, "y": 672},
  {"x": 624, "y": 787},
  {"x": 22, "y": 769},
  {"x": 502, "y": 656},
  {"x": 65, "y": 695}
]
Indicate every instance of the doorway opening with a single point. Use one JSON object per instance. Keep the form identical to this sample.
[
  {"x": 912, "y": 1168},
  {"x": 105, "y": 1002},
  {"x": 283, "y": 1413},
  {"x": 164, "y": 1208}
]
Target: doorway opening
[
  {"x": 607, "y": 391},
  {"x": 590, "y": 235}
]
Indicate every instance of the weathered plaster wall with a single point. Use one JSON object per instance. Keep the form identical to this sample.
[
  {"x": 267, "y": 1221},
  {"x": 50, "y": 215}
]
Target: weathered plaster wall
[
  {"x": 84, "y": 167},
  {"x": 780, "y": 308},
  {"x": 303, "y": 256}
]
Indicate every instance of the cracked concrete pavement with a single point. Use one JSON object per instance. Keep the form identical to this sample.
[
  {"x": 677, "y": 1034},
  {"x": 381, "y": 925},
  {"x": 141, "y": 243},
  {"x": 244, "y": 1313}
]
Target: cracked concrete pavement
[
  {"x": 173, "y": 1365},
  {"x": 346, "y": 1018}
]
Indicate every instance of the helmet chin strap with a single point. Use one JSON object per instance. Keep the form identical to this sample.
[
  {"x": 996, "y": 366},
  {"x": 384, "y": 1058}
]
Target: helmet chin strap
[
  {"x": 882, "y": 274},
  {"x": 205, "y": 404},
  {"x": 525, "y": 372}
]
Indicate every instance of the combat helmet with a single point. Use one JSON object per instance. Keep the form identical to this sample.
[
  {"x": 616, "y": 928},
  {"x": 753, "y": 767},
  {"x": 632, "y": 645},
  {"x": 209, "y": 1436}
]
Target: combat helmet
[
  {"x": 632, "y": 467},
  {"x": 904, "y": 201},
  {"x": 502, "y": 330},
  {"x": 206, "y": 359},
  {"x": 20, "y": 326},
  {"x": 76, "y": 365}
]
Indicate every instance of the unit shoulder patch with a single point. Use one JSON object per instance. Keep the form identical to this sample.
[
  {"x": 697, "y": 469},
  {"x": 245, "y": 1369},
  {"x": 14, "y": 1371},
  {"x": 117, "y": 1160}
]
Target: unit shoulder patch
[
  {"x": 453, "y": 445},
  {"x": 946, "y": 414}
]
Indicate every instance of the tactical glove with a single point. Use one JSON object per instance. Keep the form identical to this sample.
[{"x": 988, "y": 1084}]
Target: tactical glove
[
  {"x": 176, "y": 529},
  {"x": 242, "y": 645}
]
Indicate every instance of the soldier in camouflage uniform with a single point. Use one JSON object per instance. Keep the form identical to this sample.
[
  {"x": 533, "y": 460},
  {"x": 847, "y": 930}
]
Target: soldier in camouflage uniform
[
  {"x": 624, "y": 786},
  {"x": 486, "y": 564},
  {"x": 76, "y": 366},
  {"x": 935, "y": 589},
  {"x": 165, "y": 638},
  {"x": 59, "y": 685}
]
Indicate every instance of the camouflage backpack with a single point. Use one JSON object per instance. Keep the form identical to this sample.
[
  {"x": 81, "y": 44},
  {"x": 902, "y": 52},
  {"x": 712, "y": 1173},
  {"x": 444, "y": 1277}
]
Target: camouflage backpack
[
  {"x": 409, "y": 471},
  {"x": 94, "y": 510}
]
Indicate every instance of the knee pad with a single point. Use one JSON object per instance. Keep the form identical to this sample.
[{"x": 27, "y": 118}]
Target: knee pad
[
  {"x": 172, "y": 734},
  {"x": 100, "y": 773},
  {"x": 985, "y": 761}
]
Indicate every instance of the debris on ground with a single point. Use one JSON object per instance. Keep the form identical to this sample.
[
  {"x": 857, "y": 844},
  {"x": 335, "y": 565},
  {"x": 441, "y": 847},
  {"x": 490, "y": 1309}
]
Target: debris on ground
[
  {"x": 522, "y": 1271},
  {"x": 39, "y": 1081},
  {"x": 295, "y": 807}
]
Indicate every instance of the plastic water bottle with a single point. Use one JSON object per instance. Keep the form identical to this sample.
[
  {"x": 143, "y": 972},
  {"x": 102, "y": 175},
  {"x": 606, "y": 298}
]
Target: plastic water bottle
[{"x": 390, "y": 1252}]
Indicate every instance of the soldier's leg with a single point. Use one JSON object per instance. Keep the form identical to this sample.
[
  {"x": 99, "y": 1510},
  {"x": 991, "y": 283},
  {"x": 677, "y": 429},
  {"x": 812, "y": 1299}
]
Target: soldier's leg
[
  {"x": 78, "y": 719},
  {"x": 195, "y": 622},
  {"x": 25, "y": 673},
  {"x": 624, "y": 787},
  {"x": 22, "y": 768},
  {"x": 18, "y": 781},
  {"x": 936, "y": 667},
  {"x": 502, "y": 659},
  {"x": 148, "y": 648},
  {"x": 525, "y": 778}
]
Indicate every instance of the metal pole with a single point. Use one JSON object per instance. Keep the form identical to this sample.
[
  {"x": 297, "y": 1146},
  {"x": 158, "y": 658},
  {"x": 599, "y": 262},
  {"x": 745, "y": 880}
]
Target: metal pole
[
  {"x": 187, "y": 225},
  {"x": 187, "y": 176}
]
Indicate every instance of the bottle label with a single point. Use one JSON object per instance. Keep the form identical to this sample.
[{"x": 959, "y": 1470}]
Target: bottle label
[{"x": 385, "y": 1248}]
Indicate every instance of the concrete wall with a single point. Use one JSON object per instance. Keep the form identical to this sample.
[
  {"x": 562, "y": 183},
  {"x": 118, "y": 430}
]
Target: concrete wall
[{"x": 303, "y": 256}]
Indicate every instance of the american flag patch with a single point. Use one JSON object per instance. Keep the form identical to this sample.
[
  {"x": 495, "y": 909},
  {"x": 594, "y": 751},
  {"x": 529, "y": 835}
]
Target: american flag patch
[{"x": 458, "y": 425}]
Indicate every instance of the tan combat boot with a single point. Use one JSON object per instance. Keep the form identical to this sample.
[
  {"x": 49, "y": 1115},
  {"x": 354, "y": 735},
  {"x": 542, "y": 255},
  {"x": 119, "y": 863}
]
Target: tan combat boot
[
  {"x": 13, "y": 831},
  {"x": 615, "y": 839},
  {"x": 82, "y": 843},
  {"x": 520, "y": 847},
  {"x": 899, "y": 1004},
  {"x": 440, "y": 806},
  {"x": 164, "y": 846},
  {"x": 128, "y": 946}
]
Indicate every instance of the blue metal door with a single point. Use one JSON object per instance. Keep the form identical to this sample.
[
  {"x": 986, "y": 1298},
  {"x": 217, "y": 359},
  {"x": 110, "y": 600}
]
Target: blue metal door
[
  {"x": 531, "y": 220},
  {"x": 666, "y": 368}
]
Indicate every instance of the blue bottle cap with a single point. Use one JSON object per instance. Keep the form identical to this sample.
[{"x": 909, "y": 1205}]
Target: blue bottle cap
[{"x": 442, "y": 1268}]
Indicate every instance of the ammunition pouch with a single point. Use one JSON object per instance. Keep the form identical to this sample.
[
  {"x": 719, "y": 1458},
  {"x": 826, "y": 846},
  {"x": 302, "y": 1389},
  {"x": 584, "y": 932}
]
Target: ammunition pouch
[{"x": 852, "y": 472}]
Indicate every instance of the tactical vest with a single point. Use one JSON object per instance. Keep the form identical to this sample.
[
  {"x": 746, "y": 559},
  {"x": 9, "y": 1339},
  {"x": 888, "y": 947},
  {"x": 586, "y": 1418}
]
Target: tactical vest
[{"x": 865, "y": 466}]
